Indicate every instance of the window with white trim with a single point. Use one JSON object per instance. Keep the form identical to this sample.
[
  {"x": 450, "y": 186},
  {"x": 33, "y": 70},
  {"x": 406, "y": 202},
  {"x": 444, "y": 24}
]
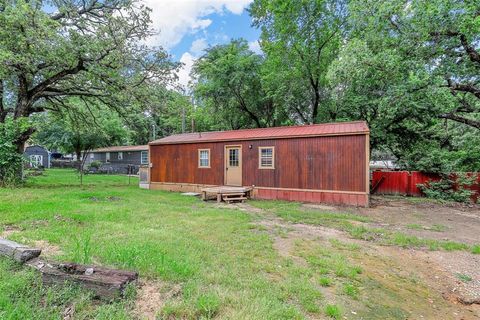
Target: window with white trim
[
  {"x": 144, "y": 157},
  {"x": 107, "y": 157},
  {"x": 266, "y": 157},
  {"x": 92, "y": 155},
  {"x": 120, "y": 156},
  {"x": 204, "y": 158}
]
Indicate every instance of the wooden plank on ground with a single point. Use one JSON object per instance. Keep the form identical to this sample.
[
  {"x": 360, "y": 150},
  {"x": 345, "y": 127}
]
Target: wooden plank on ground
[{"x": 107, "y": 284}]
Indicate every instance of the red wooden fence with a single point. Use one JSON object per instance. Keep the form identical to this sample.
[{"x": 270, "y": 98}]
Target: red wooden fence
[{"x": 405, "y": 182}]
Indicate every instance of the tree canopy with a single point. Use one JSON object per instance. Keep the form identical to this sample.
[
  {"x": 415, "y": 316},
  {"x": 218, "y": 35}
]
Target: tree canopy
[
  {"x": 409, "y": 69},
  {"x": 91, "y": 49},
  {"x": 51, "y": 51},
  {"x": 228, "y": 81}
]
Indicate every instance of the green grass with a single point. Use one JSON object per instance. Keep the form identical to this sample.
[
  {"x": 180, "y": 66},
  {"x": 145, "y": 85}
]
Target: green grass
[
  {"x": 476, "y": 249},
  {"x": 325, "y": 281},
  {"x": 224, "y": 268},
  {"x": 414, "y": 226},
  {"x": 435, "y": 227},
  {"x": 23, "y": 296},
  {"x": 219, "y": 263},
  {"x": 438, "y": 228},
  {"x": 350, "y": 290},
  {"x": 464, "y": 277},
  {"x": 333, "y": 311}
]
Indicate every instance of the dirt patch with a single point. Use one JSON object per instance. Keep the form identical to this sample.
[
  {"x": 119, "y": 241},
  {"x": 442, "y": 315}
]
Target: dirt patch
[
  {"x": 68, "y": 313},
  {"x": 8, "y": 230},
  {"x": 39, "y": 223},
  {"x": 425, "y": 284},
  {"x": 109, "y": 198},
  {"x": 151, "y": 297},
  {"x": 462, "y": 272},
  {"x": 413, "y": 283},
  {"x": 59, "y": 217},
  {"x": 423, "y": 218},
  {"x": 48, "y": 249},
  {"x": 318, "y": 207},
  {"x": 149, "y": 300},
  {"x": 242, "y": 206}
]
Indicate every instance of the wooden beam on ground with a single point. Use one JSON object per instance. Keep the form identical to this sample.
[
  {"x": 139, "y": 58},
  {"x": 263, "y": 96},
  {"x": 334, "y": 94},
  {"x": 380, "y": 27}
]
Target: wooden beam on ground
[
  {"x": 107, "y": 284},
  {"x": 18, "y": 252}
]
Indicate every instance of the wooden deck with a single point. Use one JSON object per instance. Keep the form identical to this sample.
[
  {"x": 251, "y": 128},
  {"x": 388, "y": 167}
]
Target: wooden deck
[{"x": 226, "y": 193}]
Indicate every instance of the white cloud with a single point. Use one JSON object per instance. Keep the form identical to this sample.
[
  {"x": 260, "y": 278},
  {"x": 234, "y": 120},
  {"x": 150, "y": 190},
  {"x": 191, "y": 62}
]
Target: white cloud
[
  {"x": 176, "y": 18},
  {"x": 184, "y": 73},
  {"x": 255, "y": 47},
  {"x": 198, "y": 46}
]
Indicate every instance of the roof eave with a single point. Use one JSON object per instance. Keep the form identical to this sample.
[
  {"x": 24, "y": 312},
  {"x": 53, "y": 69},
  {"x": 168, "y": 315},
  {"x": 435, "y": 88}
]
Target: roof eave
[{"x": 364, "y": 132}]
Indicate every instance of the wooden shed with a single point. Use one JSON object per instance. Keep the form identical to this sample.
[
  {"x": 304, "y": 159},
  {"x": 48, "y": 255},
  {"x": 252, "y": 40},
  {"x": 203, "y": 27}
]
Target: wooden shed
[{"x": 325, "y": 163}]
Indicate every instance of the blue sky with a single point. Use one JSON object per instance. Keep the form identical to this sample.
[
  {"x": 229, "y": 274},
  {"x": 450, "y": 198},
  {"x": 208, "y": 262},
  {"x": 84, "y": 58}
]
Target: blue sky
[
  {"x": 187, "y": 27},
  {"x": 223, "y": 28}
]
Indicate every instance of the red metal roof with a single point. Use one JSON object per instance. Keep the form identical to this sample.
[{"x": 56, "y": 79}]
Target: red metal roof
[
  {"x": 324, "y": 129},
  {"x": 122, "y": 148}
]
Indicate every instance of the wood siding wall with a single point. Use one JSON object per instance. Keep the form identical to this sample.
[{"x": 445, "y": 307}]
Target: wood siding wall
[{"x": 337, "y": 163}]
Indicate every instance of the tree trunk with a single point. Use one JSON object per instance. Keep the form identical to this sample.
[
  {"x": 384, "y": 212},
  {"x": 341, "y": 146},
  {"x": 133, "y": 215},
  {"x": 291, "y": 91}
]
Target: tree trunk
[
  {"x": 3, "y": 112},
  {"x": 20, "y": 144},
  {"x": 316, "y": 100},
  {"x": 78, "y": 153}
]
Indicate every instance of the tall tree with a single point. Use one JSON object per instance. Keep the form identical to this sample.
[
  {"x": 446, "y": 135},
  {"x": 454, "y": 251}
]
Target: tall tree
[
  {"x": 300, "y": 40},
  {"x": 411, "y": 70},
  {"x": 78, "y": 131},
  {"x": 89, "y": 49},
  {"x": 163, "y": 116},
  {"x": 228, "y": 83}
]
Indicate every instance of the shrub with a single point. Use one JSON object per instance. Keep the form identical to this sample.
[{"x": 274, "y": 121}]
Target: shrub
[
  {"x": 11, "y": 161},
  {"x": 449, "y": 188},
  {"x": 95, "y": 165}
]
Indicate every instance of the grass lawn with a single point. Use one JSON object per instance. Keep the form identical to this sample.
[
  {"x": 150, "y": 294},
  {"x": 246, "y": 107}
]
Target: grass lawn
[{"x": 225, "y": 265}]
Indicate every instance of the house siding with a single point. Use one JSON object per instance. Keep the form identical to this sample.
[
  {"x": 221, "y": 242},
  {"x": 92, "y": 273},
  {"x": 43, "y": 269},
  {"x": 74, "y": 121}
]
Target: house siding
[
  {"x": 334, "y": 164},
  {"x": 132, "y": 158},
  {"x": 38, "y": 150}
]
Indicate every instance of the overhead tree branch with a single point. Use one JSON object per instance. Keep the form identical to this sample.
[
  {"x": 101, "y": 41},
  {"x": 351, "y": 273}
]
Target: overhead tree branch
[
  {"x": 93, "y": 8},
  {"x": 470, "y": 88},
  {"x": 39, "y": 88},
  {"x": 472, "y": 53},
  {"x": 460, "y": 119}
]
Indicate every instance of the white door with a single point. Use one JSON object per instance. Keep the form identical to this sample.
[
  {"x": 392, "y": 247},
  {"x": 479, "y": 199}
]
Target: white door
[{"x": 36, "y": 160}]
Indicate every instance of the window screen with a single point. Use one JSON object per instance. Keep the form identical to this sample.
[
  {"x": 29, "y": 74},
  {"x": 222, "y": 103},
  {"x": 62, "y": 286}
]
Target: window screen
[
  {"x": 204, "y": 158},
  {"x": 233, "y": 157},
  {"x": 266, "y": 158},
  {"x": 144, "y": 157}
]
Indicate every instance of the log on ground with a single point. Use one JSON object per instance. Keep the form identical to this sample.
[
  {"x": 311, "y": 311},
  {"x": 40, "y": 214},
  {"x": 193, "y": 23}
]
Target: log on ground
[
  {"x": 17, "y": 251},
  {"x": 107, "y": 284}
]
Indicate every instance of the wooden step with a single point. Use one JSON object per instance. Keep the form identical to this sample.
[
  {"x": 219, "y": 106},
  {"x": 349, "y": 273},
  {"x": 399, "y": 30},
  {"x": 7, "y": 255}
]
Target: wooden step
[
  {"x": 231, "y": 199},
  {"x": 239, "y": 194},
  {"x": 234, "y": 198}
]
